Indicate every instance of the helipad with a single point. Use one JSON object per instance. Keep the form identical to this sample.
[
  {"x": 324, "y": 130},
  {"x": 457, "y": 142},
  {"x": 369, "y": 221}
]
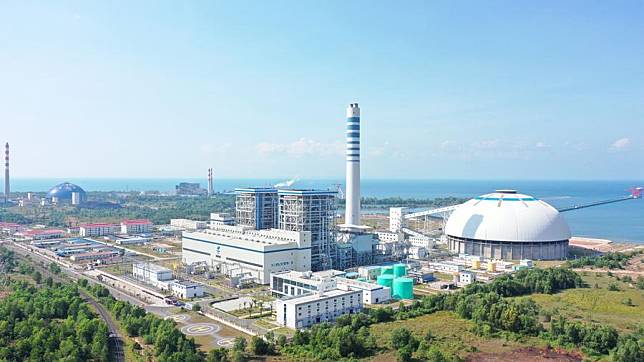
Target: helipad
[
  {"x": 179, "y": 317},
  {"x": 200, "y": 329}
]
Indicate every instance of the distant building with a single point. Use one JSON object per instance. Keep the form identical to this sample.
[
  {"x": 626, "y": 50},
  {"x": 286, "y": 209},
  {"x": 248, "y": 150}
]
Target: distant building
[
  {"x": 141, "y": 226},
  {"x": 41, "y": 234},
  {"x": 221, "y": 218},
  {"x": 9, "y": 228},
  {"x": 188, "y": 224},
  {"x": 465, "y": 277},
  {"x": 96, "y": 256},
  {"x": 186, "y": 289},
  {"x": 190, "y": 189},
  {"x": 98, "y": 229},
  {"x": 64, "y": 193}
]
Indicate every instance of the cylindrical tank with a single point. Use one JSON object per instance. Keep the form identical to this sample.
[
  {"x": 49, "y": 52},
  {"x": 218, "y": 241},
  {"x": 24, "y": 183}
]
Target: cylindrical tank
[
  {"x": 403, "y": 288},
  {"x": 400, "y": 270},
  {"x": 386, "y": 281},
  {"x": 387, "y": 270},
  {"x": 491, "y": 267},
  {"x": 476, "y": 264}
]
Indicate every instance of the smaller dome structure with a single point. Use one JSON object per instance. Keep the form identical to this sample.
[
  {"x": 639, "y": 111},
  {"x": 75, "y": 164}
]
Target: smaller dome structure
[{"x": 64, "y": 192}]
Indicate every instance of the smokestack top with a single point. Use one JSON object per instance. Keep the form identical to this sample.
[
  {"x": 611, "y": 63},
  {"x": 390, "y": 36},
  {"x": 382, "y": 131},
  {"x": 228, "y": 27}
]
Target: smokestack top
[{"x": 353, "y": 110}]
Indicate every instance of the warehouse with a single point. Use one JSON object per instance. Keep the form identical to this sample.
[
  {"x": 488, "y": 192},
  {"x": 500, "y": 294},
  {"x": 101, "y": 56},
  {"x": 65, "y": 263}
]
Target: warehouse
[{"x": 256, "y": 252}]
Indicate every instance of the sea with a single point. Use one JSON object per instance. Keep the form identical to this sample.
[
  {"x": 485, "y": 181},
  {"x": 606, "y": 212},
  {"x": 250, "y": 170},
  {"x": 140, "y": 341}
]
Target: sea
[{"x": 620, "y": 222}]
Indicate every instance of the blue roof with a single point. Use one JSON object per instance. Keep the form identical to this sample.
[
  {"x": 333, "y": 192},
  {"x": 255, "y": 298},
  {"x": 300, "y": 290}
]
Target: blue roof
[{"x": 64, "y": 191}]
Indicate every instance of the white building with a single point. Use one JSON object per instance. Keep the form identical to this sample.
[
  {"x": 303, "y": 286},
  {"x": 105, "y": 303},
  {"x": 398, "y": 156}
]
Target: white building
[
  {"x": 465, "y": 277},
  {"x": 294, "y": 283},
  {"x": 135, "y": 240},
  {"x": 221, "y": 219},
  {"x": 307, "y": 310},
  {"x": 417, "y": 252},
  {"x": 241, "y": 249},
  {"x": 390, "y": 237},
  {"x": 369, "y": 272},
  {"x": 151, "y": 273},
  {"x": 99, "y": 229},
  {"x": 101, "y": 255},
  {"x": 136, "y": 226},
  {"x": 371, "y": 293},
  {"x": 186, "y": 289},
  {"x": 188, "y": 224}
]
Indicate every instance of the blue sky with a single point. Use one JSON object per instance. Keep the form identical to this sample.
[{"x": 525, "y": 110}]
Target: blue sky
[{"x": 469, "y": 89}]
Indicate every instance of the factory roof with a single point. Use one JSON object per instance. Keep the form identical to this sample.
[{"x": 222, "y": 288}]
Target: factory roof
[
  {"x": 152, "y": 267},
  {"x": 97, "y": 225},
  {"x": 136, "y": 222},
  {"x": 307, "y": 298},
  {"x": 507, "y": 216},
  {"x": 256, "y": 190},
  {"x": 43, "y": 232},
  {"x": 306, "y": 192}
]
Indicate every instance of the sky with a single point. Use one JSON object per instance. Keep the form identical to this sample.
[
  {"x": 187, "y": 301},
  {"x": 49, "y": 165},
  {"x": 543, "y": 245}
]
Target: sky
[{"x": 467, "y": 89}]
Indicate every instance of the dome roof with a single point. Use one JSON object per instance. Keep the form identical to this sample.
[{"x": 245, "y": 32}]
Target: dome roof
[
  {"x": 507, "y": 216},
  {"x": 64, "y": 191}
]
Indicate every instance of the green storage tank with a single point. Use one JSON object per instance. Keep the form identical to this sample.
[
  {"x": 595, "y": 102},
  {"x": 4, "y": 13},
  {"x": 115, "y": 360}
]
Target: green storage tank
[
  {"x": 386, "y": 281},
  {"x": 403, "y": 288},
  {"x": 400, "y": 270},
  {"x": 387, "y": 270}
]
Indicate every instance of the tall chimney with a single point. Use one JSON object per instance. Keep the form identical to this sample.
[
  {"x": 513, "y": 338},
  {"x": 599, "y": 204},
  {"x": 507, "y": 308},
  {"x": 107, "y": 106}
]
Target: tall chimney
[
  {"x": 7, "y": 189},
  {"x": 211, "y": 190},
  {"x": 352, "y": 213}
]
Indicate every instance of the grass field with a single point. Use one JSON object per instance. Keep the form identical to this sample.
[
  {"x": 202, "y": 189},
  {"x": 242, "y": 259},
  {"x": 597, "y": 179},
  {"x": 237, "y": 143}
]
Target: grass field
[
  {"x": 598, "y": 305},
  {"x": 452, "y": 333}
]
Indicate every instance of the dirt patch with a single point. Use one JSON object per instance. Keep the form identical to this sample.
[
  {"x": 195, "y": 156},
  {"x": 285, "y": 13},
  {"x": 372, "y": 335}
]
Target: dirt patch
[{"x": 527, "y": 354}]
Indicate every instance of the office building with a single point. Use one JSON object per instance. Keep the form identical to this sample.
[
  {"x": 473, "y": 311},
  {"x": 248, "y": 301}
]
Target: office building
[
  {"x": 141, "y": 226},
  {"x": 324, "y": 306},
  {"x": 98, "y": 229}
]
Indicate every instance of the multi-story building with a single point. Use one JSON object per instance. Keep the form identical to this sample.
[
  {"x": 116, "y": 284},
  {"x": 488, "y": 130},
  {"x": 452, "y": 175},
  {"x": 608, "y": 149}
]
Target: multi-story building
[
  {"x": 371, "y": 293},
  {"x": 41, "y": 234},
  {"x": 221, "y": 218},
  {"x": 314, "y": 211},
  {"x": 98, "y": 229},
  {"x": 323, "y": 306},
  {"x": 185, "y": 289},
  {"x": 141, "y": 226},
  {"x": 256, "y": 207},
  {"x": 243, "y": 250}
]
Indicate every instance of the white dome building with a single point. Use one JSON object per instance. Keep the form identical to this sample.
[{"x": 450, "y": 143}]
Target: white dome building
[{"x": 508, "y": 225}]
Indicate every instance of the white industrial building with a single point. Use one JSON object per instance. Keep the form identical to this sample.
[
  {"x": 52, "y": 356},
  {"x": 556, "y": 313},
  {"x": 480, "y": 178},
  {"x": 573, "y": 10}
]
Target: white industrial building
[
  {"x": 294, "y": 283},
  {"x": 465, "y": 277},
  {"x": 324, "y": 306},
  {"x": 510, "y": 226},
  {"x": 248, "y": 251},
  {"x": 151, "y": 273},
  {"x": 188, "y": 224},
  {"x": 186, "y": 289},
  {"x": 371, "y": 293},
  {"x": 98, "y": 229},
  {"x": 445, "y": 267},
  {"x": 143, "y": 226},
  {"x": 221, "y": 218}
]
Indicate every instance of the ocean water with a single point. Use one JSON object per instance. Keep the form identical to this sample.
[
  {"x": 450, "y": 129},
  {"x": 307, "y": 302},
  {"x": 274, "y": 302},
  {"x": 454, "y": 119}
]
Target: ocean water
[{"x": 623, "y": 221}]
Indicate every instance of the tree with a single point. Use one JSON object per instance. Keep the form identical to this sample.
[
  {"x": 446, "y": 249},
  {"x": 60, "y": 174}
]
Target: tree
[
  {"x": 54, "y": 268},
  {"x": 402, "y": 337},
  {"x": 240, "y": 344},
  {"x": 217, "y": 355},
  {"x": 404, "y": 354},
  {"x": 281, "y": 340},
  {"x": 628, "y": 349},
  {"x": 37, "y": 277},
  {"x": 259, "y": 346}
]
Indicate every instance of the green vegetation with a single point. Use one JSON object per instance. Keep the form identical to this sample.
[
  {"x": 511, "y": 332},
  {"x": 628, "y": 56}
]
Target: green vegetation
[
  {"x": 49, "y": 323},
  {"x": 605, "y": 261},
  {"x": 169, "y": 344}
]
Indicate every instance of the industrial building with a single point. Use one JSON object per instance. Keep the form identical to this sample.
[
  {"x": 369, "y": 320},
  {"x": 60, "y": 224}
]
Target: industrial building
[
  {"x": 242, "y": 249},
  {"x": 98, "y": 229},
  {"x": 371, "y": 293},
  {"x": 221, "y": 218},
  {"x": 256, "y": 207},
  {"x": 66, "y": 193},
  {"x": 508, "y": 225},
  {"x": 141, "y": 226},
  {"x": 151, "y": 273},
  {"x": 323, "y": 306},
  {"x": 293, "y": 283},
  {"x": 188, "y": 224},
  {"x": 190, "y": 189},
  {"x": 186, "y": 289},
  {"x": 313, "y": 211}
]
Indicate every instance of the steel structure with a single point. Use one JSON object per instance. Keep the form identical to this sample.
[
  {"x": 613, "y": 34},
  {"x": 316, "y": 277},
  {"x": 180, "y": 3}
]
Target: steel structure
[
  {"x": 256, "y": 207},
  {"x": 314, "y": 211},
  {"x": 7, "y": 189}
]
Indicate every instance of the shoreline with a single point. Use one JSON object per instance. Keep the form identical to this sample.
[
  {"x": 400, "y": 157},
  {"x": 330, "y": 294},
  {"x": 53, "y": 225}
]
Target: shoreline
[{"x": 604, "y": 245}]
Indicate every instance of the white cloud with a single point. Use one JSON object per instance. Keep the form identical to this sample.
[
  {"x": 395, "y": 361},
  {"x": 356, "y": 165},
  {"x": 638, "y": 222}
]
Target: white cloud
[
  {"x": 620, "y": 145},
  {"x": 301, "y": 147},
  {"x": 541, "y": 145}
]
